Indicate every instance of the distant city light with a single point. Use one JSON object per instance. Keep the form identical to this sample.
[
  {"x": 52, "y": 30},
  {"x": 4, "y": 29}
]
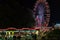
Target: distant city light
[{"x": 57, "y": 25}]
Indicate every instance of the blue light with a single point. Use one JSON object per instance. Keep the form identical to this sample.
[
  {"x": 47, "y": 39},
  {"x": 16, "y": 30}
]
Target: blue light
[{"x": 57, "y": 25}]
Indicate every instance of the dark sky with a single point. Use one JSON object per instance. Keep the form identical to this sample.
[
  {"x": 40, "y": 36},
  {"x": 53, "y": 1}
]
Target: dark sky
[
  {"x": 18, "y": 13},
  {"x": 54, "y": 8}
]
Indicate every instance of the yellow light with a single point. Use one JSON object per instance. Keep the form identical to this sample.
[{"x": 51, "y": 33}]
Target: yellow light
[
  {"x": 9, "y": 33},
  {"x": 12, "y": 33},
  {"x": 37, "y": 32}
]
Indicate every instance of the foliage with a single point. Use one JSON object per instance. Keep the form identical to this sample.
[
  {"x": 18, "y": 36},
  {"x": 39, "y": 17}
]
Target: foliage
[{"x": 53, "y": 35}]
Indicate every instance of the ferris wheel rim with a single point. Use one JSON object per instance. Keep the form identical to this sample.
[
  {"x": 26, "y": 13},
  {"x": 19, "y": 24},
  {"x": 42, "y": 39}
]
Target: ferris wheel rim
[{"x": 47, "y": 10}]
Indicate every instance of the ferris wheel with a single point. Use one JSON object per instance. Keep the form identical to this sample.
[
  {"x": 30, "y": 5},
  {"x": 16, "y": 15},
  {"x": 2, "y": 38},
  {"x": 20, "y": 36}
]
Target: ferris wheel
[{"x": 41, "y": 13}]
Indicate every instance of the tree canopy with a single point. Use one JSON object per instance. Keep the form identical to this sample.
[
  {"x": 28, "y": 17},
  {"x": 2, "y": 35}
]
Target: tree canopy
[{"x": 53, "y": 35}]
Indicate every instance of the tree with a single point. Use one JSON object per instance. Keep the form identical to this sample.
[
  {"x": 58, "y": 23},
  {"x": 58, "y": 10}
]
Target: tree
[{"x": 53, "y": 35}]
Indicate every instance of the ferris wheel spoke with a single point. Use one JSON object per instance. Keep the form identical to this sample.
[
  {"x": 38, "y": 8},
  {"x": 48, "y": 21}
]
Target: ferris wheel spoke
[{"x": 42, "y": 13}]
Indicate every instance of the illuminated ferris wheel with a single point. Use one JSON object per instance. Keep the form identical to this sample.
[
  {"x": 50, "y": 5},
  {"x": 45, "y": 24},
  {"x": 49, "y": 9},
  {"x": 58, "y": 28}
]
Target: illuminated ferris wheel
[{"x": 41, "y": 13}]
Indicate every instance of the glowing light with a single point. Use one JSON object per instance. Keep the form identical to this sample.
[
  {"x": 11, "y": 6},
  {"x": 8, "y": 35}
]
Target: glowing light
[
  {"x": 40, "y": 14},
  {"x": 57, "y": 25},
  {"x": 37, "y": 32}
]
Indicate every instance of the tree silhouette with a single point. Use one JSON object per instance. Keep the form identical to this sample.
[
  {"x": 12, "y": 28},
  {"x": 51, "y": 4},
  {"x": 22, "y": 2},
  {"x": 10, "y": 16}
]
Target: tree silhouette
[{"x": 53, "y": 35}]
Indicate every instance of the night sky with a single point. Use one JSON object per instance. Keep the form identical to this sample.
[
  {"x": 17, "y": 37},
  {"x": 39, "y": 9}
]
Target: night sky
[
  {"x": 55, "y": 13},
  {"x": 19, "y": 13}
]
